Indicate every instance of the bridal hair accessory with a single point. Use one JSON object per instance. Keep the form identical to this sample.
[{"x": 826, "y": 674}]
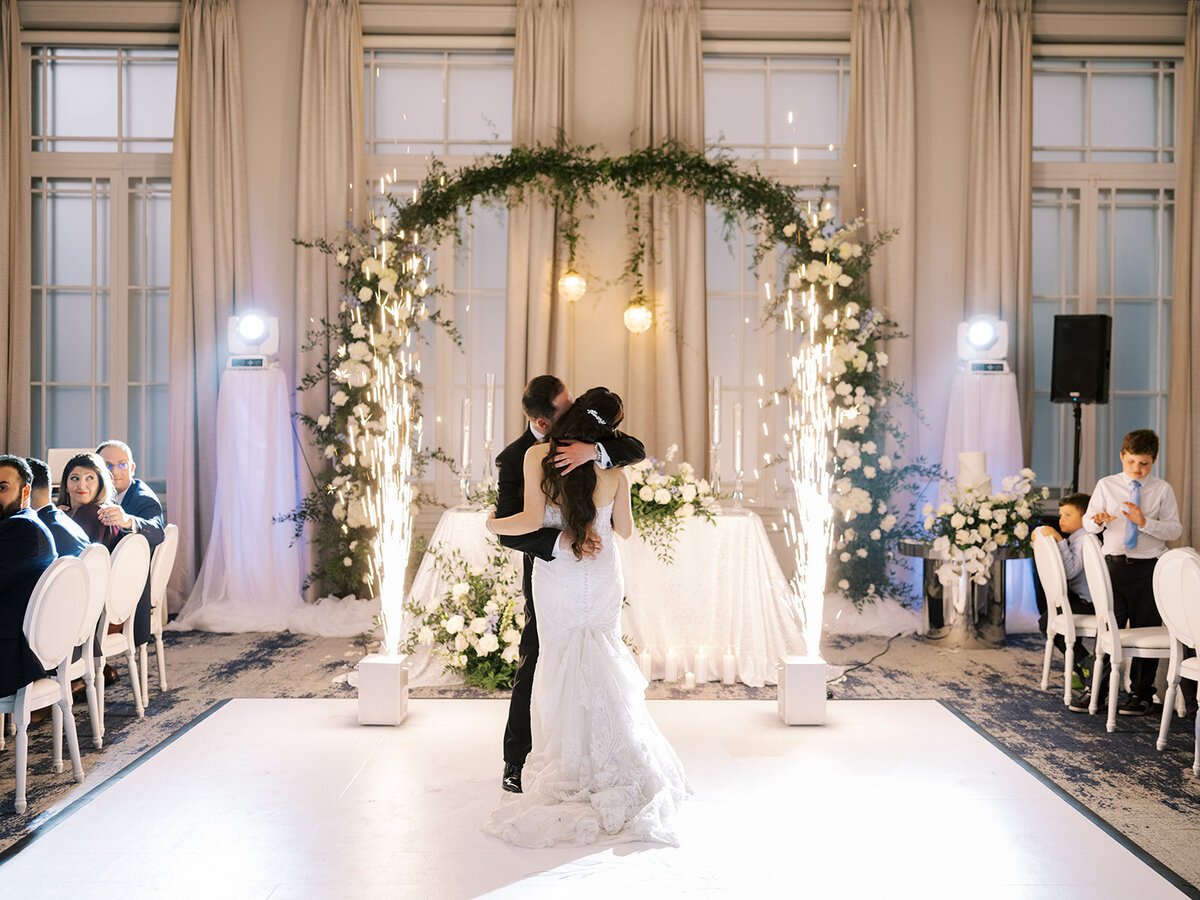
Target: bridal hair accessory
[{"x": 595, "y": 415}]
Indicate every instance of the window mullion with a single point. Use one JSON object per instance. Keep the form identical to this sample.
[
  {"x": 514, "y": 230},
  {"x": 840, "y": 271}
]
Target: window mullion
[{"x": 119, "y": 349}]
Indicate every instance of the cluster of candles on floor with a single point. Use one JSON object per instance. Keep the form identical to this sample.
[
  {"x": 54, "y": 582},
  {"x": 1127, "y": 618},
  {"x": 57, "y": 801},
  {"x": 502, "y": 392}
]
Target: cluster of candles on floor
[{"x": 675, "y": 670}]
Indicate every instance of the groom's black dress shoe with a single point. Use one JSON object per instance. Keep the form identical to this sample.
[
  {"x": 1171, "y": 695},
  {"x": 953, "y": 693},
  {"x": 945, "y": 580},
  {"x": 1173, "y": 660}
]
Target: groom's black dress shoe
[{"x": 512, "y": 778}]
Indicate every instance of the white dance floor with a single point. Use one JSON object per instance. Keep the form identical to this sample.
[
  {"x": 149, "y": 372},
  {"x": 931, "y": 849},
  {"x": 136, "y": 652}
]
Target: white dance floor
[{"x": 293, "y": 799}]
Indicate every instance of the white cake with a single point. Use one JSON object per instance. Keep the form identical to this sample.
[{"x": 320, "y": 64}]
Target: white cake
[{"x": 972, "y": 472}]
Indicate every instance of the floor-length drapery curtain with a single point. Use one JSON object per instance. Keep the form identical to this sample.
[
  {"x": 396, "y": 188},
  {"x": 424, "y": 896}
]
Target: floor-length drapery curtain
[
  {"x": 999, "y": 184},
  {"x": 669, "y": 363},
  {"x": 536, "y": 326},
  {"x": 1183, "y": 419},
  {"x": 330, "y": 193},
  {"x": 879, "y": 174},
  {"x": 14, "y": 233},
  {"x": 210, "y": 263}
]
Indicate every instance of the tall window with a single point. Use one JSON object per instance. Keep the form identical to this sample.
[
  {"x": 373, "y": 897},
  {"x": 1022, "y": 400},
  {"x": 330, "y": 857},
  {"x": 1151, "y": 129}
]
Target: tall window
[
  {"x": 1103, "y": 214},
  {"x": 102, "y": 124},
  {"x": 455, "y": 106},
  {"x": 788, "y": 113}
]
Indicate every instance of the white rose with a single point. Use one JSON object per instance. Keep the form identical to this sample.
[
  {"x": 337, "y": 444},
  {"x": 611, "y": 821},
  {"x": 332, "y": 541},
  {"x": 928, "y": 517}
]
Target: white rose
[
  {"x": 881, "y": 358},
  {"x": 425, "y": 635},
  {"x": 818, "y": 244},
  {"x": 454, "y": 624},
  {"x": 929, "y": 520},
  {"x": 888, "y": 522},
  {"x": 844, "y": 557},
  {"x": 927, "y": 510},
  {"x": 360, "y": 351},
  {"x": 870, "y": 447},
  {"x": 487, "y": 644},
  {"x": 646, "y": 493},
  {"x": 876, "y": 534},
  {"x": 323, "y": 421},
  {"x": 365, "y": 294},
  {"x": 849, "y": 535},
  {"x": 845, "y": 251},
  {"x": 1028, "y": 474},
  {"x": 511, "y": 636},
  {"x": 460, "y": 590},
  {"x": 1020, "y": 531},
  {"x": 688, "y": 493},
  {"x": 347, "y": 561},
  {"x": 861, "y": 552},
  {"x": 479, "y": 625},
  {"x": 330, "y": 451},
  {"x": 684, "y": 511},
  {"x": 868, "y": 471},
  {"x": 339, "y": 399},
  {"x": 358, "y": 330},
  {"x": 789, "y": 229},
  {"x": 342, "y": 258},
  {"x": 845, "y": 281},
  {"x": 849, "y": 323},
  {"x": 460, "y": 642},
  {"x": 843, "y": 584},
  {"x": 826, "y": 214},
  {"x": 885, "y": 463},
  {"x": 662, "y": 496}
]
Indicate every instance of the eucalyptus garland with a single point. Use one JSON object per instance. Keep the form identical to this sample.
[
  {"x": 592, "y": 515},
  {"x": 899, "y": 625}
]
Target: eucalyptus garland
[{"x": 572, "y": 179}]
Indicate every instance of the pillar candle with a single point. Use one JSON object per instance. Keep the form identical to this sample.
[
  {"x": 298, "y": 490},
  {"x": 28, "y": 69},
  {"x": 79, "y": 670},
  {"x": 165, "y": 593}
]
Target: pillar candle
[
  {"x": 489, "y": 420},
  {"x": 689, "y": 681},
  {"x": 700, "y": 665},
  {"x": 645, "y": 661},
  {"x": 729, "y": 667},
  {"x": 671, "y": 669},
  {"x": 737, "y": 437},
  {"x": 464, "y": 455}
]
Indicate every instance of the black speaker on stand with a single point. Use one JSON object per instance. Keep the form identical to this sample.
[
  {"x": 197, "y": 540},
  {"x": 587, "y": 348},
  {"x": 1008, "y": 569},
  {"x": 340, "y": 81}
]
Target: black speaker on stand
[{"x": 1080, "y": 368}]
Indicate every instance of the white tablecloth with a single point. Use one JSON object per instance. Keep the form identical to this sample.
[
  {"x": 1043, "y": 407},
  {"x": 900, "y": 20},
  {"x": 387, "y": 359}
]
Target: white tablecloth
[
  {"x": 723, "y": 591},
  {"x": 984, "y": 415}
]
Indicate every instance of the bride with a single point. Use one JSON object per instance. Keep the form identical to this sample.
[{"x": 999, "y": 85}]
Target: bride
[{"x": 599, "y": 767}]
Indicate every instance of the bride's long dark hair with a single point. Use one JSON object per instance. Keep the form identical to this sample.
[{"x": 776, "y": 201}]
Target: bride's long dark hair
[{"x": 591, "y": 418}]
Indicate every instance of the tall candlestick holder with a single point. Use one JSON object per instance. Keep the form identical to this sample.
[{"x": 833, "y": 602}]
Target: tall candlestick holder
[
  {"x": 489, "y": 469},
  {"x": 738, "y": 488},
  {"x": 714, "y": 467}
]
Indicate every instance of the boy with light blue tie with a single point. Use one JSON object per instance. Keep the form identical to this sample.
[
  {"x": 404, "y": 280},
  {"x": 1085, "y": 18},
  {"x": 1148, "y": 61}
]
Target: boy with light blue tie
[{"x": 1135, "y": 514}]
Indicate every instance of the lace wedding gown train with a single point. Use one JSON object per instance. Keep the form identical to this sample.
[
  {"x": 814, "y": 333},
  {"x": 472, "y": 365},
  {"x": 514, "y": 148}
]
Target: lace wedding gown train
[{"x": 600, "y": 769}]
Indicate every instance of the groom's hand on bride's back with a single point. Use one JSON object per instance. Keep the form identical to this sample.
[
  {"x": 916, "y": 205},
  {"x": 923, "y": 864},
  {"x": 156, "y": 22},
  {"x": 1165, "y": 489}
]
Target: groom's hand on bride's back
[
  {"x": 573, "y": 454},
  {"x": 591, "y": 545}
]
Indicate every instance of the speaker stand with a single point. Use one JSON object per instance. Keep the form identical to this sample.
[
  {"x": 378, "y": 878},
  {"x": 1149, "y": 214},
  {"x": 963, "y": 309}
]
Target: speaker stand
[{"x": 1077, "y": 408}]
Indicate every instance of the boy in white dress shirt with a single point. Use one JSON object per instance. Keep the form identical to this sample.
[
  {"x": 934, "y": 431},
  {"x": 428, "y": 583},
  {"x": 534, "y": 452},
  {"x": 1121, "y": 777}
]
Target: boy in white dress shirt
[{"x": 1135, "y": 514}]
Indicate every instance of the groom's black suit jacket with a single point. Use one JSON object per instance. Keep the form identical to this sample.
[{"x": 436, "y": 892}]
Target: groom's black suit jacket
[{"x": 622, "y": 450}]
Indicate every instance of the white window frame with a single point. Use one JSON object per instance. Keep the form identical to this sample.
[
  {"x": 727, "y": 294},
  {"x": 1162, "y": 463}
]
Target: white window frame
[
  {"x": 118, "y": 169},
  {"x": 1090, "y": 179}
]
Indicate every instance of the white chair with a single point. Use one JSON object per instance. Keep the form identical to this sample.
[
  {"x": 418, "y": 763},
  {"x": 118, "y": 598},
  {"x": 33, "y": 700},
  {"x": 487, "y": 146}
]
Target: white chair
[
  {"x": 56, "y": 609},
  {"x": 1117, "y": 643},
  {"x": 130, "y": 566},
  {"x": 1059, "y": 617},
  {"x": 161, "y": 563},
  {"x": 97, "y": 560},
  {"x": 1177, "y": 593}
]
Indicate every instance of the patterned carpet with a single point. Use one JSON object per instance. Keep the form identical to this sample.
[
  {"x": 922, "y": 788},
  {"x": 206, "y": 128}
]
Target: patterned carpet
[{"x": 1151, "y": 798}]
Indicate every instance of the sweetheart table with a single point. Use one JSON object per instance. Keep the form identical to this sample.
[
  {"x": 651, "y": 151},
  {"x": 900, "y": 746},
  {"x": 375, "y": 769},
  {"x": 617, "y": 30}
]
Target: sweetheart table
[{"x": 724, "y": 592}]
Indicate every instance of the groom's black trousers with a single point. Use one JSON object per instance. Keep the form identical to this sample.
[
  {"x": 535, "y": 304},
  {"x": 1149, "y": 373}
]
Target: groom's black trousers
[{"x": 518, "y": 737}]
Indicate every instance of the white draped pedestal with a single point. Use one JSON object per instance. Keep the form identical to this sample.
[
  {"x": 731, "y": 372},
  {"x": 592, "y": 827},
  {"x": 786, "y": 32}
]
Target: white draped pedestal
[
  {"x": 251, "y": 575},
  {"x": 724, "y": 591}
]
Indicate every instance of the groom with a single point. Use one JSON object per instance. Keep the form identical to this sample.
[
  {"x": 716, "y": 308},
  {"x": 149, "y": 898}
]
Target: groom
[{"x": 544, "y": 400}]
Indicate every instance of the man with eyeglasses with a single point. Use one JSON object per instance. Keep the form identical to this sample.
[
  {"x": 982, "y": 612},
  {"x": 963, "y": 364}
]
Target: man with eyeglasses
[{"x": 139, "y": 512}]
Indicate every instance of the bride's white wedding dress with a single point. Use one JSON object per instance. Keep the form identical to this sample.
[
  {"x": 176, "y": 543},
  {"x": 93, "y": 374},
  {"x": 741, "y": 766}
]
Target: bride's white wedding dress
[{"x": 599, "y": 769}]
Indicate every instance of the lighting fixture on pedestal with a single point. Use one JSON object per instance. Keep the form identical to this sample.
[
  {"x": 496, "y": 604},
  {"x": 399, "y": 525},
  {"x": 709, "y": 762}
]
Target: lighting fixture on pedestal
[
  {"x": 571, "y": 285},
  {"x": 983, "y": 344},
  {"x": 638, "y": 317},
  {"x": 253, "y": 340}
]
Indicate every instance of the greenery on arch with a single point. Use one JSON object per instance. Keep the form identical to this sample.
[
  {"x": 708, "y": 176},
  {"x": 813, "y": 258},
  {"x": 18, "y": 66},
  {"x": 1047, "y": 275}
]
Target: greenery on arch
[{"x": 388, "y": 257}]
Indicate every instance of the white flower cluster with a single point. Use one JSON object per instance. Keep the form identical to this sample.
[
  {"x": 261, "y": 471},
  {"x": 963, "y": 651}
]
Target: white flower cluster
[
  {"x": 683, "y": 493},
  {"x": 971, "y": 526}
]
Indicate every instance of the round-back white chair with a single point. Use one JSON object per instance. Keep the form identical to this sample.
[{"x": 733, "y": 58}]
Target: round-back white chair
[
  {"x": 1117, "y": 643},
  {"x": 1177, "y": 595},
  {"x": 161, "y": 563},
  {"x": 82, "y": 664},
  {"x": 52, "y": 620},
  {"x": 130, "y": 566},
  {"x": 1059, "y": 617}
]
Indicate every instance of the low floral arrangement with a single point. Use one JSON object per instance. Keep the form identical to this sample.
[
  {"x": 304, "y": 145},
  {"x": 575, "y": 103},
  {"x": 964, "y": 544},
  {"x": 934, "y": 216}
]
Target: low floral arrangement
[
  {"x": 661, "y": 502},
  {"x": 972, "y": 525},
  {"x": 474, "y": 628}
]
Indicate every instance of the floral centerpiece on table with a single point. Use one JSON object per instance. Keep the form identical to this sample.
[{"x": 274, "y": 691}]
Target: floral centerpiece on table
[
  {"x": 972, "y": 525},
  {"x": 474, "y": 627},
  {"x": 661, "y": 502}
]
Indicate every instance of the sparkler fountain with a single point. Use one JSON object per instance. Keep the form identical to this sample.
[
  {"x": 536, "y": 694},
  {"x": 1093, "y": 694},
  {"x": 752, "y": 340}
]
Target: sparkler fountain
[{"x": 811, "y": 433}]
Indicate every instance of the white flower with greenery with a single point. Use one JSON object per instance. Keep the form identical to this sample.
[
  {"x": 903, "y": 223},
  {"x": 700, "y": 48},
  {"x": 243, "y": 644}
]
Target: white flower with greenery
[
  {"x": 661, "y": 502},
  {"x": 971, "y": 526},
  {"x": 474, "y": 628}
]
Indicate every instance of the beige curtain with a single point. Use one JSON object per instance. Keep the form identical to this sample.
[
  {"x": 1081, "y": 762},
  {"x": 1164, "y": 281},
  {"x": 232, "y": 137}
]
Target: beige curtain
[
  {"x": 330, "y": 193},
  {"x": 668, "y": 363},
  {"x": 999, "y": 186},
  {"x": 1183, "y": 419},
  {"x": 14, "y": 233},
  {"x": 210, "y": 263},
  {"x": 879, "y": 177},
  {"x": 536, "y": 323}
]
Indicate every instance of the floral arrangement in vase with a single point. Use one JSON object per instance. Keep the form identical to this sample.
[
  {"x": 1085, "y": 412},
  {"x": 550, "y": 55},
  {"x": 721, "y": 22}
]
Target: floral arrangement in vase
[{"x": 973, "y": 523}]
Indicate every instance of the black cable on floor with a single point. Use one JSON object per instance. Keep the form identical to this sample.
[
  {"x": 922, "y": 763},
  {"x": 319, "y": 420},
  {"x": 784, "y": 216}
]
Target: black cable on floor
[{"x": 869, "y": 661}]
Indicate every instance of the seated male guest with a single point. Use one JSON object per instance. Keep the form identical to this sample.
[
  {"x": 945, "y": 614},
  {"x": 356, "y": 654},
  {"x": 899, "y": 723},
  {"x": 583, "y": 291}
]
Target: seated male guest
[
  {"x": 139, "y": 512},
  {"x": 69, "y": 539},
  {"x": 26, "y": 551}
]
